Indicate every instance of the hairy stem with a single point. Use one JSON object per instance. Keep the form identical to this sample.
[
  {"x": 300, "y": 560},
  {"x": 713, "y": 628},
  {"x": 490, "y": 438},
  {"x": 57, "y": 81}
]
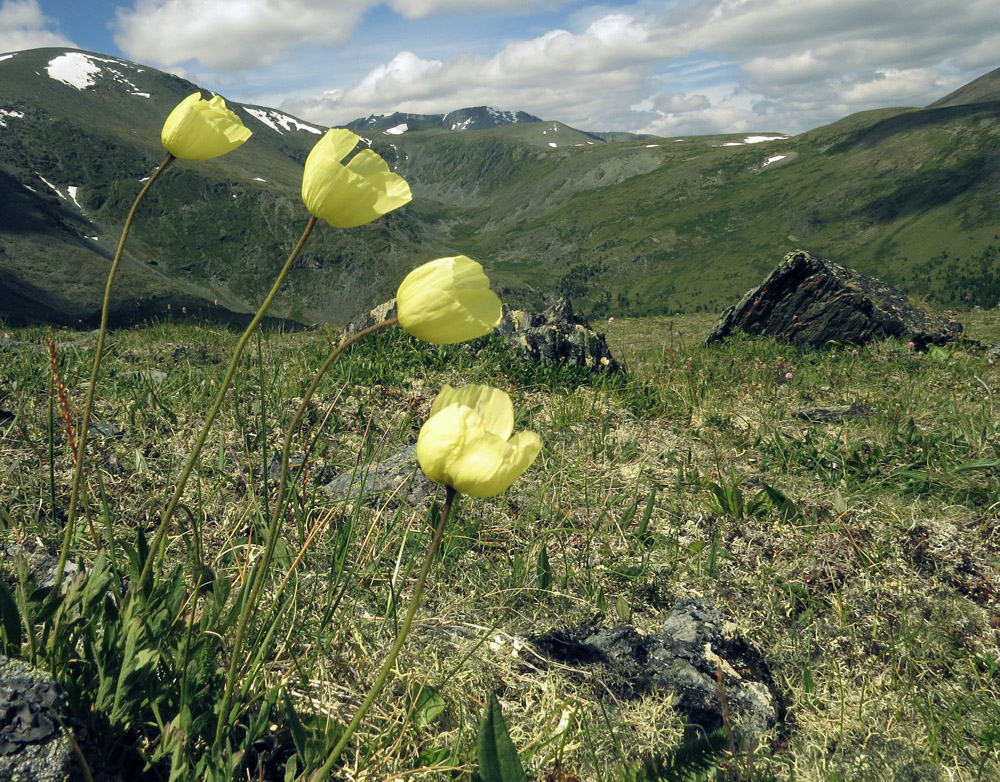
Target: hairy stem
[
  {"x": 88, "y": 405},
  {"x": 274, "y": 527},
  {"x": 404, "y": 630},
  {"x": 156, "y": 547}
]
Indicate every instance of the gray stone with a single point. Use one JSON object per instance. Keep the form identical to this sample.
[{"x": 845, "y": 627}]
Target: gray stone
[
  {"x": 33, "y": 712},
  {"x": 697, "y": 647},
  {"x": 557, "y": 336},
  {"x": 830, "y": 415},
  {"x": 380, "y": 313},
  {"x": 396, "y": 479},
  {"x": 808, "y": 300}
]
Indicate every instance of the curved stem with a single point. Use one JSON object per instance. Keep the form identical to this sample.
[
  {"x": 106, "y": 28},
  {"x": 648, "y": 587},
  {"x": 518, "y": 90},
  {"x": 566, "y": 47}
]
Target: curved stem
[
  {"x": 274, "y": 526},
  {"x": 88, "y": 405},
  {"x": 155, "y": 548},
  {"x": 404, "y": 629}
]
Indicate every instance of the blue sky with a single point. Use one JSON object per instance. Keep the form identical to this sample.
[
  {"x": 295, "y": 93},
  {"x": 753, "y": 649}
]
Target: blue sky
[{"x": 669, "y": 67}]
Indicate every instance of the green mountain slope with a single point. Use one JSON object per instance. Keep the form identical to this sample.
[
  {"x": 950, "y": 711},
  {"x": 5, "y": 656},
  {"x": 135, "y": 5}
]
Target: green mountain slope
[
  {"x": 665, "y": 225},
  {"x": 624, "y": 225},
  {"x": 72, "y": 159}
]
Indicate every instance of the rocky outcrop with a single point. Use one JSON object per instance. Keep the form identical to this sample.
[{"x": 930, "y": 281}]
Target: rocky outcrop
[
  {"x": 696, "y": 650},
  {"x": 34, "y": 746},
  {"x": 396, "y": 479},
  {"x": 557, "y": 336},
  {"x": 808, "y": 300}
]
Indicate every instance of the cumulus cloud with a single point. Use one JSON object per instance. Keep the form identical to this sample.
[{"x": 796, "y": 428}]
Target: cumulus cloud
[
  {"x": 417, "y": 9},
  {"x": 699, "y": 66},
  {"x": 577, "y": 78},
  {"x": 233, "y": 35},
  {"x": 679, "y": 103},
  {"x": 24, "y": 26}
]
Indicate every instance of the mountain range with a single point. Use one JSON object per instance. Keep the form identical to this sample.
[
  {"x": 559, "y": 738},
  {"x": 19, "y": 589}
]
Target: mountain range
[{"x": 622, "y": 224}]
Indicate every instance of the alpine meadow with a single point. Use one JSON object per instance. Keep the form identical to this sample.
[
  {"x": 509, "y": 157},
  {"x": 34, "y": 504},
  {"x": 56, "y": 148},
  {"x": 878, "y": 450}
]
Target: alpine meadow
[{"x": 258, "y": 522}]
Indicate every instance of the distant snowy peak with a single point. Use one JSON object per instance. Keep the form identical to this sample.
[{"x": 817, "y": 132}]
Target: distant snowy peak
[
  {"x": 477, "y": 118},
  {"x": 282, "y": 123},
  {"x": 82, "y": 70},
  {"x": 482, "y": 117}
]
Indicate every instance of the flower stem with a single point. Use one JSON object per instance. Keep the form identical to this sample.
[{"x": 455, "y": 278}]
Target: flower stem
[
  {"x": 404, "y": 630},
  {"x": 155, "y": 548},
  {"x": 274, "y": 526},
  {"x": 88, "y": 405}
]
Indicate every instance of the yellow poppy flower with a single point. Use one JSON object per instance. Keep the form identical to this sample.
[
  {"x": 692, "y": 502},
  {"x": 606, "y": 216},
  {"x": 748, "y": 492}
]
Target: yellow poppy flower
[
  {"x": 353, "y": 194},
  {"x": 199, "y": 129},
  {"x": 466, "y": 442},
  {"x": 447, "y": 300}
]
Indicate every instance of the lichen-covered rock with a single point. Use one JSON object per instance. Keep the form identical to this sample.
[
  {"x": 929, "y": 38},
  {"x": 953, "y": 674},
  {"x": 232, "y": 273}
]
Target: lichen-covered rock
[
  {"x": 33, "y": 744},
  {"x": 396, "y": 479},
  {"x": 808, "y": 300},
  {"x": 557, "y": 336},
  {"x": 685, "y": 661},
  {"x": 382, "y": 312}
]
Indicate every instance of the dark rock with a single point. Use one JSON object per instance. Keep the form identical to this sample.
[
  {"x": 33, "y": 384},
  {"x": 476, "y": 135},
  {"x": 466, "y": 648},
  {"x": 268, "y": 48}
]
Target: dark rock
[
  {"x": 808, "y": 300},
  {"x": 696, "y": 648},
  {"x": 40, "y": 561},
  {"x": 382, "y": 312},
  {"x": 557, "y": 336},
  {"x": 33, "y": 710},
  {"x": 830, "y": 415},
  {"x": 398, "y": 478}
]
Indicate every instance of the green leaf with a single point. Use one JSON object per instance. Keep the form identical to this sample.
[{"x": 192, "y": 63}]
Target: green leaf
[
  {"x": 428, "y": 705},
  {"x": 781, "y": 502},
  {"x": 643, "y": 534},
  {"x": 543, "y": 570},
  {"x": 978, "y": 464},
  {"x": 498, "y": 761},
  {"x": 10, "y": 621},
  {"x": 295, "y": 726}
]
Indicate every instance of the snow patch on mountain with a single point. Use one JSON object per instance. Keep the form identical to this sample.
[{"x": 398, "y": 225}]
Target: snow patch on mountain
[
  {"x": 80, "y": 70},
  {"x": 279, "y": 122},
  {"x": 398, "y": 130},
  {"x": 753, "y": 140},
  {"x": 4, "y": 114},
  {"x": 69, "y": 195}
]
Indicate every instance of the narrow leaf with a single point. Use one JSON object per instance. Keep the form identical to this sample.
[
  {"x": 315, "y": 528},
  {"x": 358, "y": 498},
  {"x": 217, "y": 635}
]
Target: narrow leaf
[{"x": 498, "y": 761}]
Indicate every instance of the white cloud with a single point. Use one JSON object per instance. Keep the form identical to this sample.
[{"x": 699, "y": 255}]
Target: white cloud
[
  {"x": 680, "y": 67},
  {"x": 576, "y": 78},
  {"x": 231, "y": 35},
  {"x": 24, "y": 26},
  {"x": 678, "y": 103},
  {"x": 417, "y": 9}
]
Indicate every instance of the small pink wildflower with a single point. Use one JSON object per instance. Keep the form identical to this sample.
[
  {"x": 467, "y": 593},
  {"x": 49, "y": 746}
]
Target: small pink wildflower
[
  {"x": 989, "y": 361},
  {"x": 611, "y": 320},
  {"x": 854, "y": 353},
  {"x": 789, "y": 376},
  {"x": 910, "y": 345}
]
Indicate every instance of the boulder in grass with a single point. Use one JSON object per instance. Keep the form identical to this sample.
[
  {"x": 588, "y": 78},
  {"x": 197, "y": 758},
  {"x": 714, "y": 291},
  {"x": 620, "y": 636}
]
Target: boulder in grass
[
  {"x": 809, "y": 300},
  {"x": 557, "y": 336},
  {"x": 34, "y": 746},
  {"x": 697, "y": 646}
]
